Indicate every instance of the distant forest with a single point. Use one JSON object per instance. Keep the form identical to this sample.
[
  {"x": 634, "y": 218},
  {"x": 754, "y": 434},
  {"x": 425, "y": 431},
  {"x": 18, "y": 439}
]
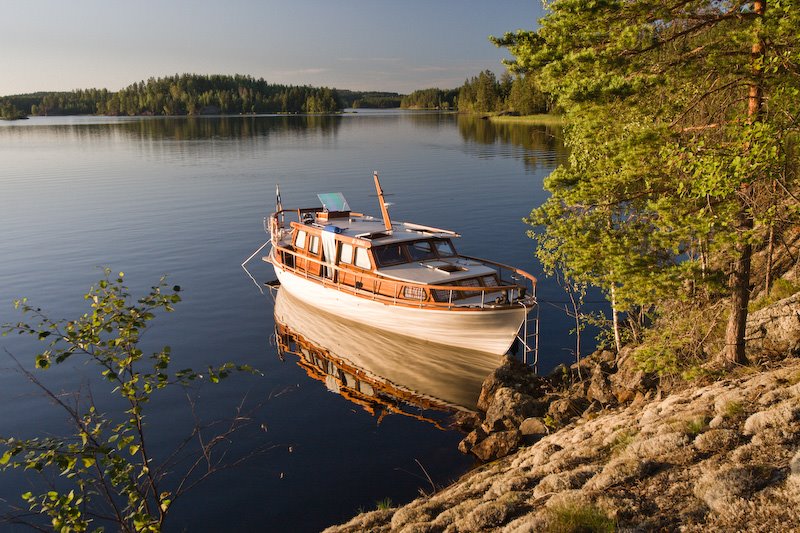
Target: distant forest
[
  {"x": 194, "y": 94},
  {"x": 370, "y": 99},
  {"x": 484, "y": 93},
  {"x": 185, "y": 94}
]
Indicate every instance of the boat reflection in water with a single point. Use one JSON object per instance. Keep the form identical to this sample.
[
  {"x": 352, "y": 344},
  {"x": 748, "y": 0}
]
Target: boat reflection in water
[{"x": 382, "y": 372}]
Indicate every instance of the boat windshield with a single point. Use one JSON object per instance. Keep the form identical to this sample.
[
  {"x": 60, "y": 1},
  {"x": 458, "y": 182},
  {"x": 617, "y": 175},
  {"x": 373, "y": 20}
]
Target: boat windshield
[
  {"x": 391, "y": 254},
  {"x": 333, "y": 201},
  {"x": 444, "y": 248},
  {"x": 399, "y": 253},
  {"x": 421, "y": 250}
]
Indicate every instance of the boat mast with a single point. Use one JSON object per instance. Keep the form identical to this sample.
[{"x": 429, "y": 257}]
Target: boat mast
[{"x": 387, "y": 222}]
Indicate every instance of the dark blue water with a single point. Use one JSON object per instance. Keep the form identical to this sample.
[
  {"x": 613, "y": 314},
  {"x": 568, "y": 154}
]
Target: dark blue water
[{"x": 186, "y": 197}]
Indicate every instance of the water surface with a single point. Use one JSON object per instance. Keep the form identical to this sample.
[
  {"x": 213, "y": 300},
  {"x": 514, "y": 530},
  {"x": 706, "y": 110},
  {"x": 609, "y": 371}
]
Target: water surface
[{"x": 186, "y": 197}]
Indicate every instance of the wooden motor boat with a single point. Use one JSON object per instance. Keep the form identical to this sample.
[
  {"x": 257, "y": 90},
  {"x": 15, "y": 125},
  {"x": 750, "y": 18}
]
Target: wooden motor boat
[{"x": 402, "y": 277}]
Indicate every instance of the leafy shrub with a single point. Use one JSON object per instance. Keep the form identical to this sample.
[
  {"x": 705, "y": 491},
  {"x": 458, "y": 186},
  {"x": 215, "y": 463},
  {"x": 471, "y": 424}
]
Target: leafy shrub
[
  {"x": 106, "y": 462},
  {"x": 682, "y": 339}
]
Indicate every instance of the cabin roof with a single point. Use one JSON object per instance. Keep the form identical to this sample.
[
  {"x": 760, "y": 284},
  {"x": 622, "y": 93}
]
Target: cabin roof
[
  {"x": 431, "y": 273},
  {"x": 371, "y": 229}
]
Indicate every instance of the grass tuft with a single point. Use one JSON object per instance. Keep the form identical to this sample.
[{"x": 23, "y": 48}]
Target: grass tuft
[
  {"x": 733, "y": 409},
  {"x": 695, "y": 426},
  {"x": 576, "y": 518},
  {"x": 383, "y": 504},
  {"x": 621, "y": 441}
]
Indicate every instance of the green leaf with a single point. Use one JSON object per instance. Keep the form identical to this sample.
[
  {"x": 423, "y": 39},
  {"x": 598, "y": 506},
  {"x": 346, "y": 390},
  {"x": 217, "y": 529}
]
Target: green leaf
[{"x": 6, "y": 457}]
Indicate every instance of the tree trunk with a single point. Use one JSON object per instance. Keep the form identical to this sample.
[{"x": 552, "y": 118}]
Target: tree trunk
[
  {"x": 615, "y": 318},
  {"x": 771, "y": 242},
  {"x": 770, "y": 253},
  {"x": 740, "y": 271},
  {"x": 740, "y": 295}
]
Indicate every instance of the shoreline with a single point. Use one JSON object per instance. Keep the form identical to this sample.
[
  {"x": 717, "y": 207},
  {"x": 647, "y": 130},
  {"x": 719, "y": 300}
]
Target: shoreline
[{"x": 713, "y": 454}]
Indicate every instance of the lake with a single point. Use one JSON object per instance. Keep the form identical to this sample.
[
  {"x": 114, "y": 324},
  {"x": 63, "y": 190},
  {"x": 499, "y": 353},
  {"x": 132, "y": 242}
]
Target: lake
[{"x": 186, "y": 197}]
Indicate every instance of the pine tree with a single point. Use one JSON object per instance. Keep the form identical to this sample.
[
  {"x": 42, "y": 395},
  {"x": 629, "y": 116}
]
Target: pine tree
[{"x": 680, "y": 116}]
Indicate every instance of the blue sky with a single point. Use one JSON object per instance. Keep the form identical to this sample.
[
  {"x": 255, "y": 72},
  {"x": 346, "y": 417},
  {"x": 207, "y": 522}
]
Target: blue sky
[{"x": 349, "y": 44}]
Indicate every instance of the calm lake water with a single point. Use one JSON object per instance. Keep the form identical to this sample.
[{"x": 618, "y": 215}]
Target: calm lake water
[{"x": 186, "y": 197}]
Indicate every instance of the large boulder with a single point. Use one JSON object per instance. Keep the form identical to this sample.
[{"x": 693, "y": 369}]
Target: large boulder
[
  {"x": 497, "y": 445},
  {"x": 563, "y": 410},
  {"x": 515, "y": 375},
  {"x": 774, "y": 332},
  {"x": 599, "y": 385},
  {"x": 508, "y": 408},
  {"x": 512, "y": 394},
  {"x": 629, "y": 379}
]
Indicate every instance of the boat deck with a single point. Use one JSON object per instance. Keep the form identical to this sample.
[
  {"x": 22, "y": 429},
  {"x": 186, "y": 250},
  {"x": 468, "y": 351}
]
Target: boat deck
[{"x": 437, "y": 272}]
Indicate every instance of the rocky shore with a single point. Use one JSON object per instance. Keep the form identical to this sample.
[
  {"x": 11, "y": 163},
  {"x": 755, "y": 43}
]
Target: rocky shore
[{"x": 604, "y": 447}]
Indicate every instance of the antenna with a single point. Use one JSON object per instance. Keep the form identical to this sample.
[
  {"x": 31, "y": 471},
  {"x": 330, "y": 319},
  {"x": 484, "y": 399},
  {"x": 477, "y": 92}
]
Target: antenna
[{"x": 387, "y": 222}]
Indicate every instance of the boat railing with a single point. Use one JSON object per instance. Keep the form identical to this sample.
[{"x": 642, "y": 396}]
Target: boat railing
[{"x": 516, "y": 287}]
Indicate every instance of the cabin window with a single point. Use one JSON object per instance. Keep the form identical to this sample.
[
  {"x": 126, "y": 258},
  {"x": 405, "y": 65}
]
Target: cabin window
[
  {"x": 440, "y": 295},
  {"x": 346, "y": 254},
  {"x": 490, "y": 281},
  {"x": 313, "y": 246},
  {"x": 362, "y": 258},
  {"x": 414, "y": 293},
  {"x": 471, "y": 282},
  {"x": 421, "y": 251},
  {"x": 391, "y": 254},
  {"x": 444, "y": 248},
  {"x": 300, "y": 240}
]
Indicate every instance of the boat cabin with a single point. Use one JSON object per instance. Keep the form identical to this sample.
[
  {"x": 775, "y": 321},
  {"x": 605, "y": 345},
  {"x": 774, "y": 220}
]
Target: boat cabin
[{"x": 396, "y": 260}]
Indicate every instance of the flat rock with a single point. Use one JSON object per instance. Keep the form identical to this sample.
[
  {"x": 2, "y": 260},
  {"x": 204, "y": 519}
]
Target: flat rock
[{"x": 533, "y": 426}]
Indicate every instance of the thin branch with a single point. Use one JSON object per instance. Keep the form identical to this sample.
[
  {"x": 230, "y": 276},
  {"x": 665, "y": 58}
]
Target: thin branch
[
  {"x": 76, "y": 419},
  {"x": 433, "y": 486}
]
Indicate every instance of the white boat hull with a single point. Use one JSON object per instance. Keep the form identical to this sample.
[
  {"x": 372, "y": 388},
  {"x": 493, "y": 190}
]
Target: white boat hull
[
  {"x": 427, "y": 372},
  {"x": 488, "y": 330}
]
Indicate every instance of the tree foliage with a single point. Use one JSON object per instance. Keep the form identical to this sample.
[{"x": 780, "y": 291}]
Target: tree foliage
[
  {"x": 9, "y": 111},
  {"x": 432, "y": 98},
  {"x": 369, "y": 99},
  {"x": 680, "y": 117},
  {"x": 107, "y": 467},
  {"x": 521, "y": 94}
]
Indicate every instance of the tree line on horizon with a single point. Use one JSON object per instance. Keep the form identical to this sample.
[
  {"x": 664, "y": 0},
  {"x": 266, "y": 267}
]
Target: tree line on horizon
[
  {"x": 194, "y": 94},
  {"x": 485, "y": 93},
  {"x": 184, "y": 94}
]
